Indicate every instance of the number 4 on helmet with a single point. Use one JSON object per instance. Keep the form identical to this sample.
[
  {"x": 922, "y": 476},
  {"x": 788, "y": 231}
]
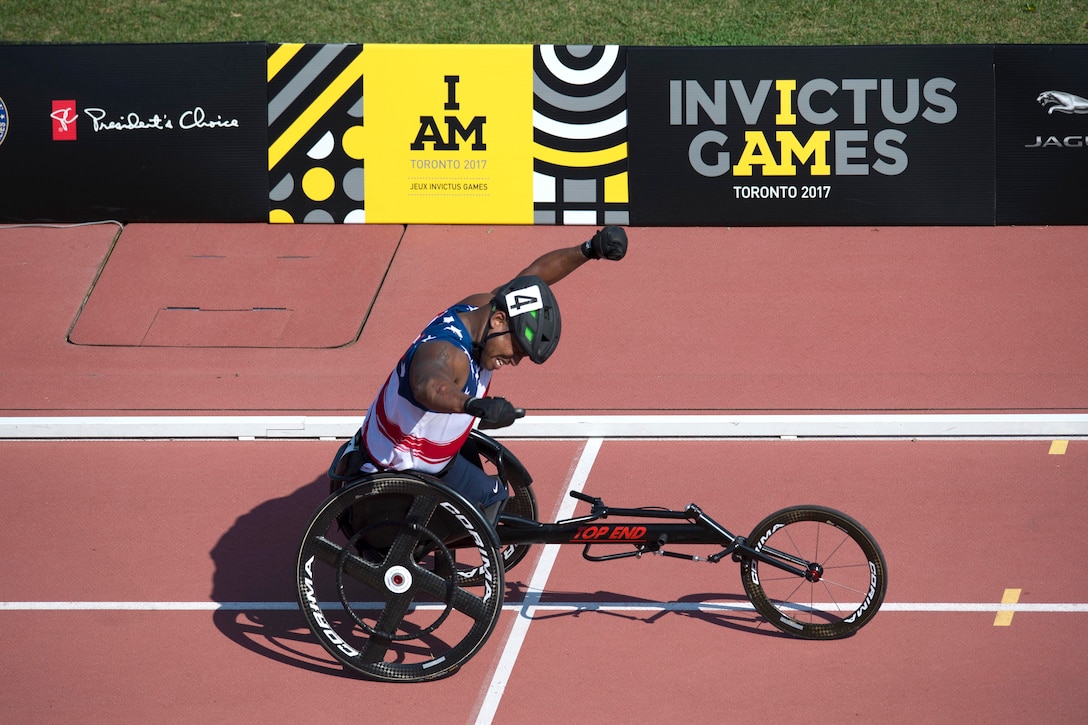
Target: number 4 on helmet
[
  {"x": 520, "y": 301},
  {"x": 534, "y": 315}
]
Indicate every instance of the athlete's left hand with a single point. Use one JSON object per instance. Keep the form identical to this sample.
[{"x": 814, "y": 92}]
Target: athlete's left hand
[{"x": 608, "y": 243}]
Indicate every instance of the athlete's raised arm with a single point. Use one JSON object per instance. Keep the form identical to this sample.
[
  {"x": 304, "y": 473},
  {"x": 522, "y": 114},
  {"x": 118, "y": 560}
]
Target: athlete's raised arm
[{"x": 608, "y": 243}]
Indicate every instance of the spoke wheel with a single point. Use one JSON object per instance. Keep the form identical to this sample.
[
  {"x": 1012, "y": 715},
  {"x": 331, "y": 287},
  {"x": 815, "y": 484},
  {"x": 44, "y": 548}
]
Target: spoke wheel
[
  {"x": 377, "y": 582},
  {"x": 842, "y": 575}
]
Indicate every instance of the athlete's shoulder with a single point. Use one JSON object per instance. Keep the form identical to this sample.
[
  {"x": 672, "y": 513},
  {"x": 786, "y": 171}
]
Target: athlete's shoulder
[{"x": 447, "y": 327}]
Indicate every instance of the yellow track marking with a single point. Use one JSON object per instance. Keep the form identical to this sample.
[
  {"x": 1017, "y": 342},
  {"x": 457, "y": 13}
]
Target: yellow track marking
[
  {"x": 1004, "y": 617},
  {"x": 1057, "y": 448}
]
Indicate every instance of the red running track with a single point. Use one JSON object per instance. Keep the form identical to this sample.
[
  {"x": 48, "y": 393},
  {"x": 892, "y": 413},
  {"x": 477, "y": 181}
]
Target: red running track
[
  {"x": 208, "y": 524},
  {"x": 719, "y": 320},
  {"x": 785, "y": 319}
]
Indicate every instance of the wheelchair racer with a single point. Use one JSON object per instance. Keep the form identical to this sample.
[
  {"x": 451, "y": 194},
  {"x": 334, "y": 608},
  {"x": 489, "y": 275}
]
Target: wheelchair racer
[{"x": 422, "y": 415}]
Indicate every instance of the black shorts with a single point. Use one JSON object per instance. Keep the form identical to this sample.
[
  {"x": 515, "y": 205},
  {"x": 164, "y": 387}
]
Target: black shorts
[{"x": 473, "y": 482}]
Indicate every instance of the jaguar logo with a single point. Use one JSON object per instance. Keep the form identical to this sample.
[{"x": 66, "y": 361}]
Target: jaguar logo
[{"x": 1063, "y": 102}]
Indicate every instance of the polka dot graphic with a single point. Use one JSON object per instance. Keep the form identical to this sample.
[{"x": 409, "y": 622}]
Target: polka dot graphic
[{"x": 318, "y": 184}]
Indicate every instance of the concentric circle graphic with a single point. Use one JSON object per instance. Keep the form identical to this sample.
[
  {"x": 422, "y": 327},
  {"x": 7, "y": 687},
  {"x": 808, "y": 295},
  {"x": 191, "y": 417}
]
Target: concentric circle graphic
[{"x": 580, "y": 135}]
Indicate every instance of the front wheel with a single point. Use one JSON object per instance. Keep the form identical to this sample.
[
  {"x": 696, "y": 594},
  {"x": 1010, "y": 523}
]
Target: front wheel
[{"x": 842, "y": 573}]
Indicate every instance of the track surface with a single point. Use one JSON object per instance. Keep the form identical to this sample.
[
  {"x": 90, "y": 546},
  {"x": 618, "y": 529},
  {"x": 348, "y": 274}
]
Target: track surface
[
  {"x": 150, "y": 581},
  {"x": 692, "y": 320}
]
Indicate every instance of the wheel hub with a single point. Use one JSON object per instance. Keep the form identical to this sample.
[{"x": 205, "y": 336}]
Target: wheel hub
[
  {"x": 398, "y": 579},
  {"x": 814, "y": 573}
]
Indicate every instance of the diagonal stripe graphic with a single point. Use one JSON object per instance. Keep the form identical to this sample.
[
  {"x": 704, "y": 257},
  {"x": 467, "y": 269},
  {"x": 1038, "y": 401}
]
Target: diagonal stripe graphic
[
  {"x": 302, "y": 80},
  {"x": 281, "y": 57},
  {"x": 347, "y": 79}
]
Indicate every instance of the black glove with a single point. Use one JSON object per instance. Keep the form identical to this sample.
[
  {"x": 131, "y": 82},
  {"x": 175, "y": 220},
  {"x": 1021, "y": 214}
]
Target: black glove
[
  {"x": 493, "y": 412},
  {"x": 608, "y": 243}
]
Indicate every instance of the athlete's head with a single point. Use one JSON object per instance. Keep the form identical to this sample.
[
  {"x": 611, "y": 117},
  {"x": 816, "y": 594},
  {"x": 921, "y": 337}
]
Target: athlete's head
[{"x": 532, "y": 315}]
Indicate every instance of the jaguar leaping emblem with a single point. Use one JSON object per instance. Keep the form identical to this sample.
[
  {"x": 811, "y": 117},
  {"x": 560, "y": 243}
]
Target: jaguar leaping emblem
[{"x": 1063, "y": 102}]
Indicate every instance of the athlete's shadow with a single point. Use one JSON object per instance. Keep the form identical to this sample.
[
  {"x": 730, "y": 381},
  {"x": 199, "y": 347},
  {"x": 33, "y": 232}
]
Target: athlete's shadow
[
  {"x": 254, "y": 563},
  {"x": 731, "y": 611}
]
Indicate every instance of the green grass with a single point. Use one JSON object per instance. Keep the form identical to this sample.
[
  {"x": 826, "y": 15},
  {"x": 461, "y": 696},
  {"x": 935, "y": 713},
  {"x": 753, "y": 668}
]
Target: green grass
[{"x": 627, "y": 22}]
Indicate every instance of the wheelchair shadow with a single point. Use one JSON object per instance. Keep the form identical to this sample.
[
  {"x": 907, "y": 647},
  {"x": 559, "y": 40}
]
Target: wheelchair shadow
[
  {"x": 731, "y": 611},
  {"x": 254, "y": 583}
]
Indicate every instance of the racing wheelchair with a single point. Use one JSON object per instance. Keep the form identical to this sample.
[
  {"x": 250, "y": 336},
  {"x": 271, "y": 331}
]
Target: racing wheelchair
[{"x": 402, "y": 579}]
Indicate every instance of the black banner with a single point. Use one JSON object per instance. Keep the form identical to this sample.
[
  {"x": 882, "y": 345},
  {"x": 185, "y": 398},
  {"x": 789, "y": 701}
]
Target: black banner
[
  {"x": 1042, "y": 134},
  {"x": 715, "y": 136},
  {"x": 809, "y": 136},
  {"x": 133, "y": 132}
]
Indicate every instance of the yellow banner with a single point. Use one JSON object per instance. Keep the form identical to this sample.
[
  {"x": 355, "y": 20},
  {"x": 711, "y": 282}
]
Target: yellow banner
[{"x": 448, "y": 133}]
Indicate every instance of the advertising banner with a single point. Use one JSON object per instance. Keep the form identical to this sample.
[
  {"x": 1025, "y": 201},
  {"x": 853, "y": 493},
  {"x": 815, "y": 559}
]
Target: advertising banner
[
  {"x": 807, "y": 136},
  {"x": 544, "y": 134},
  {"x": 1042, "y": 134},
  {"x": 133, "y": 132},
  {"x": 449, "y": 133}
]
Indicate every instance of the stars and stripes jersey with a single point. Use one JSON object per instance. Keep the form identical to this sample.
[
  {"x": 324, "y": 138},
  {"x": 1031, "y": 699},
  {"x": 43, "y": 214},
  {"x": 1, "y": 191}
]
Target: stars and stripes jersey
[{"x": 398, "y": 432}]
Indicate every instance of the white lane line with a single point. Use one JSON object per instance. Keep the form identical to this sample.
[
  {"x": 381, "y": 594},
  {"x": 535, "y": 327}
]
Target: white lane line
[
  {"x": 537, "y": 606},
  {"x": 537, "y": 583},
  {"x": 851, "y": 425}
]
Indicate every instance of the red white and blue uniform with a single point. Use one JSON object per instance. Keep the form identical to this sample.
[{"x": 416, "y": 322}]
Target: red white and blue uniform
[{"x": 399, "y": 434}]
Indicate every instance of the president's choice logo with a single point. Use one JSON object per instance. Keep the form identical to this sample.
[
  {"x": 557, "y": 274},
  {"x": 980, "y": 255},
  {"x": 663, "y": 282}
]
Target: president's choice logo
[
  {"x": 64, "y": 120},
  {"x": 65, "y": 114}
]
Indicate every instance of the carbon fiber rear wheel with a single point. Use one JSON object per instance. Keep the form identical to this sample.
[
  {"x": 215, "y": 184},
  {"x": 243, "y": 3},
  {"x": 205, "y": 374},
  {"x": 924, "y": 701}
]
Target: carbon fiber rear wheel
[{"x": 385, "y": 599}]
